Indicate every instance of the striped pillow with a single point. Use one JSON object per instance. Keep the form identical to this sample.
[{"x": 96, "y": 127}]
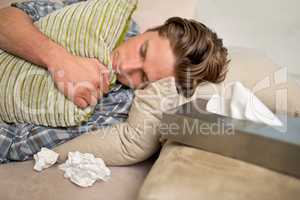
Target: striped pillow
[{"x": 89, "y": 29}]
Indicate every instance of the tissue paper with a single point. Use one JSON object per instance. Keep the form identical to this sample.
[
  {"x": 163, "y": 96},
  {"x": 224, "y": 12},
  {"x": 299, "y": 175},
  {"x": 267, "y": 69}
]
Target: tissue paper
[
  {"x": 44, "y": 159},
  {"x": 84, "y": 169},
  {"x": 242, "y": 104}
]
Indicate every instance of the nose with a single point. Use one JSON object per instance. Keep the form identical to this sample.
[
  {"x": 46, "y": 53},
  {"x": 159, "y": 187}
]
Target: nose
[{"x": 131, "y": 65}]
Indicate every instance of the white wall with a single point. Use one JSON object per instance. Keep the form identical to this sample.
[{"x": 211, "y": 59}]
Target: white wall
[
  {"x": 154, "y": 12},
  {"x": 271, "y": 26}
]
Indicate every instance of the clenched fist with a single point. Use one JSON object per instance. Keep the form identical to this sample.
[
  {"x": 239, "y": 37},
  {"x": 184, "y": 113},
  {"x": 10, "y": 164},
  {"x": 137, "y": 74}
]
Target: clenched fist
[{"x": 82, "y": 80}]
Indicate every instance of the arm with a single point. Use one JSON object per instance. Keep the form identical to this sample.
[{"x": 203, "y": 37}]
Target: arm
[
  {"x": 134, "y": 140},
  {"x": 20, "y": 37}
]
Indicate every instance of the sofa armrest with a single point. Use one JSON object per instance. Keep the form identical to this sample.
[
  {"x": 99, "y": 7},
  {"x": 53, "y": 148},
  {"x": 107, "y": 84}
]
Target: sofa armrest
[{"x": 183, "y": 172}]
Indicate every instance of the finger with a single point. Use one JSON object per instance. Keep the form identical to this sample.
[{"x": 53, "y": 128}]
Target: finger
[
  {"x": 102, "y": 81},
  {"x": 66, "y": 88},
  {"x": 90, "y": 95},
  {"x": 96, "y": 93},
  {"x": 80, "y": 102},
  {"x": 96, "y": 83},
  {"x": 105, "y": 75},
  {"x": 104, "y": 87},
  {"x": 94, "y": 100},
  {"x": 96, "y": 61},
  {"x": 85, "y": 94},
  {"x": 94, "y": 96}
]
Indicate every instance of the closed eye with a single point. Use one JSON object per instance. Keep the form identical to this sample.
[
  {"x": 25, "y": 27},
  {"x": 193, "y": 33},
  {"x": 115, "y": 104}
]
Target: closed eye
[{"x": 143, "y": 50}]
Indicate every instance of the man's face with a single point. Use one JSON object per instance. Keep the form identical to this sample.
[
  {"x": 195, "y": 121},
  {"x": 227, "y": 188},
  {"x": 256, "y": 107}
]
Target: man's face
[{"x": 144, "y": 58}]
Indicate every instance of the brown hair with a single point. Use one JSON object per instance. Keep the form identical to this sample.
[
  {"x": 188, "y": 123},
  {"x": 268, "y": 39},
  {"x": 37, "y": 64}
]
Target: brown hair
[{"x": 200, "y": 54}]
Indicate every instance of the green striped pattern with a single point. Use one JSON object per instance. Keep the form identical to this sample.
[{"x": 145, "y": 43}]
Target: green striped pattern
[{"x": 88, "y": 29}]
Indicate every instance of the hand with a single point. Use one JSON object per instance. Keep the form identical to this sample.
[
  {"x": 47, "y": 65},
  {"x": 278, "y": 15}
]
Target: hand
[{"x": 80, "y": 79}]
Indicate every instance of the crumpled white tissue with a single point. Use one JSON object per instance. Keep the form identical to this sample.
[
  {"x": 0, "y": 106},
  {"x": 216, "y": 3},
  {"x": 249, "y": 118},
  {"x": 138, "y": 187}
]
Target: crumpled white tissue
[
  {"x": 84, "y": 169},
  {"x": 242, "y": 104},
  {"x": 44, "y": 159}
]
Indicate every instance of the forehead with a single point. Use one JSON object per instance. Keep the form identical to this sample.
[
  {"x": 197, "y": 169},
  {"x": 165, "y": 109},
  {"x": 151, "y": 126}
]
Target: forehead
[{"x": 160, "y": 60}]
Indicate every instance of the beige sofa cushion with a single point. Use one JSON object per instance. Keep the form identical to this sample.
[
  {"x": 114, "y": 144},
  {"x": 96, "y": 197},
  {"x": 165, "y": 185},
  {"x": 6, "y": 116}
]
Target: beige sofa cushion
[
  {"x": 20, "y": 182},
  {"x": 183, "y": 172}
]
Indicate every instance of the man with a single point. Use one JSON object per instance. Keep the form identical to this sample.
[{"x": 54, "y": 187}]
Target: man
[
  {"x": 182, "y": 48},
  {"x": 174, "y": 49}
]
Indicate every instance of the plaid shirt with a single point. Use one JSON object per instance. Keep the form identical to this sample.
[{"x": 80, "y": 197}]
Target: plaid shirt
[{"x": 21, "y": 141}]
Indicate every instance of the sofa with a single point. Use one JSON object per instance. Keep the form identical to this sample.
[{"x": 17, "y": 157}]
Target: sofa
[
  {"x": 177, "y": 171},
  {"x": 186, "y": 172}
]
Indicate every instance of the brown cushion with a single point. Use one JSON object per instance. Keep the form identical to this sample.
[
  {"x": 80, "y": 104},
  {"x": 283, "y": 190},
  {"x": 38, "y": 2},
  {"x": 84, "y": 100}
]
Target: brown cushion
[{"x": 183, "y": 172}]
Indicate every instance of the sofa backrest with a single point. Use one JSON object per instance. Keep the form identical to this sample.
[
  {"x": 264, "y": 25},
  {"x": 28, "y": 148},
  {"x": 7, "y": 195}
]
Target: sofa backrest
[{"x": 269, "y": 82}]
